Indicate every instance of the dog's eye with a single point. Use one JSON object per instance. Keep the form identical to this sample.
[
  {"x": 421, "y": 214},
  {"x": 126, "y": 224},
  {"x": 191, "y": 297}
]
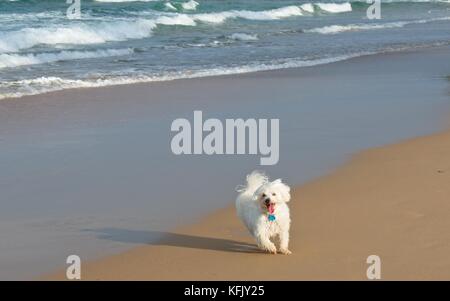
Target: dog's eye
[
  {"x": 274, "y": 194},
  {"x": 264, "y": 195}
]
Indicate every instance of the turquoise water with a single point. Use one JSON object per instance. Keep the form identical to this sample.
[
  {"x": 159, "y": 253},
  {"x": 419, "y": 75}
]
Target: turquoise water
[{"x": 122, "y": 41}]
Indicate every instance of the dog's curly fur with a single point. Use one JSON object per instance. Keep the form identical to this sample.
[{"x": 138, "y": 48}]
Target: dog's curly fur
[{"x": 260, "y": 198}]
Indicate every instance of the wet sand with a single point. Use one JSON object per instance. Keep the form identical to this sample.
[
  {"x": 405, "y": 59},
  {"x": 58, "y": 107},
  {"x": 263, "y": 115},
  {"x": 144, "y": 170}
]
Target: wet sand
[{"x": 391, "y": 201}]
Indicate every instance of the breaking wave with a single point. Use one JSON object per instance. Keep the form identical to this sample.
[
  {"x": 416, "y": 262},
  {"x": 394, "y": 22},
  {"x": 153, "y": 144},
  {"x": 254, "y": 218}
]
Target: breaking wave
[
  {"x": 15, "y": 60},
  {"x": 77, "y": 34},
  {"x": 120, "y": 30},
  {"x": 334, "y": 29},
  {"x": 244, "y": 37}
]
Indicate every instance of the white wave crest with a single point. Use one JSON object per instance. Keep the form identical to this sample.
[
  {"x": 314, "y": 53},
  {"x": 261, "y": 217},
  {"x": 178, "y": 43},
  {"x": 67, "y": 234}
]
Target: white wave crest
[
  {"x": 190, "y": 5},
  {"x": 244, "y": 37},
  {"x": 118, "y": 1},
  {"x": 307, "y": 7},
  {"x": 169, "y": 6},
  {"x": 177, "y": 19},
  {"x": 220, "y": 17},
  {"x": 75, "y": 34},
  {"x": 335, "y": 29},
  {"x": 273, "y": 14},
  {"x": 15, "y": 60},
  {"x": 335, "y": 7}
]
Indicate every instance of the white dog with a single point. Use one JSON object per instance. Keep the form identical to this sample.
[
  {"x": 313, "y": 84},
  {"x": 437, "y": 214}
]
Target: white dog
[{"x": 261, "y": 205}]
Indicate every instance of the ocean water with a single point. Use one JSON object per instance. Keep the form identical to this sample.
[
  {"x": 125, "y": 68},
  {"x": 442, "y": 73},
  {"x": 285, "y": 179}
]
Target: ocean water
[{"x": 124, "y": 41}]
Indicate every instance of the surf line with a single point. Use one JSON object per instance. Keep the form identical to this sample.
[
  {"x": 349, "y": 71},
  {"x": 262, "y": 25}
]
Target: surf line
[{"x": 214, "y": 137}]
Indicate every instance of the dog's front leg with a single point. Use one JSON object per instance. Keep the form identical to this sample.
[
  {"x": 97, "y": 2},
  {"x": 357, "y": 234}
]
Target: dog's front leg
[
  {"x": 284, "y": 242},
  {"x": 265, "y": 244}
]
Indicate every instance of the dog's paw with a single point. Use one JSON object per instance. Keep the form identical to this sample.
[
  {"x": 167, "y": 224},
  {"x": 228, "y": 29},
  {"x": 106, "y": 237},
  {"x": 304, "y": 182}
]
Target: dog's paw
[
  {"x": 272, "y": 251},
  {"x": 285, "y": 252},
  {"x": 269, "y": 249}
]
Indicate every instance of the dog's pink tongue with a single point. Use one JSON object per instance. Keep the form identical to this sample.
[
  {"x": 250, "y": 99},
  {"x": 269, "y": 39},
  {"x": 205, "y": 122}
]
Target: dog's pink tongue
[{"x": 271, "y": 208}]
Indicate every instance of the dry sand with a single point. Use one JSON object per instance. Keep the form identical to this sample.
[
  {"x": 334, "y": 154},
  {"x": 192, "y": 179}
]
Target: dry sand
[{"x": 391, "y": 201}]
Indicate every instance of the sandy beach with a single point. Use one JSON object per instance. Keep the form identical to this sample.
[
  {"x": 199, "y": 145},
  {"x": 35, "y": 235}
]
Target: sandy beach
[{"x": 389, "y": 201}]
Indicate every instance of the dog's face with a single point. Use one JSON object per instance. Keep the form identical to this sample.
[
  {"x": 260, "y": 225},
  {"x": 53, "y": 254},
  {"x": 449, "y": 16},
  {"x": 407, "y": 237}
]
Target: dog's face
[{"x": 271, "y": 195}]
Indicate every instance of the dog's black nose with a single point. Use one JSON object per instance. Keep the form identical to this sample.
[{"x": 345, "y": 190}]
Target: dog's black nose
[{"x": 267, "y": 201}]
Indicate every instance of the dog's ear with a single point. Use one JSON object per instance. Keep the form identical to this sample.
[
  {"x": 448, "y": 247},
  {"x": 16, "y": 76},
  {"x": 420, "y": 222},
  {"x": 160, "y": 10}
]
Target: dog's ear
[
  {"x": 256, "y": 194},
  {"x": 284, "y": 190}
]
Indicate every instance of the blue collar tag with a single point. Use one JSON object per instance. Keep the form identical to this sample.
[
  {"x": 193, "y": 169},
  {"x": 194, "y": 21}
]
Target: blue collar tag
[{"x": 271, "y": 217}]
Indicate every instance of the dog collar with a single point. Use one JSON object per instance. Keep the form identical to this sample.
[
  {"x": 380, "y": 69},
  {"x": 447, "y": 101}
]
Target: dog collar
[{"x": 271, "y": 217}]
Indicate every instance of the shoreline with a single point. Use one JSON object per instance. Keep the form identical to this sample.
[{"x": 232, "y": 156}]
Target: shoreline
[
  {"x": 334, "y": 60},
  {"x": 78, "y": 203},
  {"x": 335, "y": 227}
]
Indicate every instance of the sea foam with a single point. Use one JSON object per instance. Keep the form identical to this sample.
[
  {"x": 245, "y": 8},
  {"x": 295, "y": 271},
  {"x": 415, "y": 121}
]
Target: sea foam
[
  {"x": 49, "y": 84},
  {"x": 244, "y": 37},
  {"x": 335, "y": 7},
  {"x": 76, "y": 34},
  {"x": 118, "y": 1},
  {"x": 190, "y": 5},
  {"x": 170, "y": 6},
  {"x": 15, "y": 60},
  {"x": 335, "y": 29}
]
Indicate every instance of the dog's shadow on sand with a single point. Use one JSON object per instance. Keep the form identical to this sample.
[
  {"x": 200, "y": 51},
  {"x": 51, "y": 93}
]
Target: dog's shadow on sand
[{"x": 160, "y": 238}]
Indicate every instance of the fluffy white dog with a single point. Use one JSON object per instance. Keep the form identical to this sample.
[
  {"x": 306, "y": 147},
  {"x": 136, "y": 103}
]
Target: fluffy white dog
[{"x": 261, "y": 205}]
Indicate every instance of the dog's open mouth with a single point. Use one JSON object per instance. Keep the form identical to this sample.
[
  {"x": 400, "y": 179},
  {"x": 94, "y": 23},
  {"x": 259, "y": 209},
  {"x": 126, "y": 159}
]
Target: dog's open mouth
[{"x": 271, "y": 208}]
